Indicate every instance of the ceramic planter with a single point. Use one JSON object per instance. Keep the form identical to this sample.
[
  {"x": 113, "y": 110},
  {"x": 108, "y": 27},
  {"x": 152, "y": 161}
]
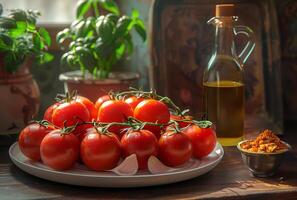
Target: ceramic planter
[
  {"x": 93, "y": 88},
  {"x": 20, "y": 98}
]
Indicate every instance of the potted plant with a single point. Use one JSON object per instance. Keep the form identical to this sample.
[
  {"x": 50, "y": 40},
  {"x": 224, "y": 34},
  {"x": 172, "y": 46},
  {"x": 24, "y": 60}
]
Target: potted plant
[
  {"x": 21, "y": 44},
  {"x": 96, "y": 44}
]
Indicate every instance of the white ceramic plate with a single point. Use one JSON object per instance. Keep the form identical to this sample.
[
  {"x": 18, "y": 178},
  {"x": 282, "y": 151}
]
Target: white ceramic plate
[{"x": 80, "y": 175}]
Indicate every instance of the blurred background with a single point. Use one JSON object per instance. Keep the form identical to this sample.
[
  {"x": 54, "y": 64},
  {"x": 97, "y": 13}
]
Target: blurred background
[
  {"x": 279, "y": 15},
  {"x": 57, "y": 15}
]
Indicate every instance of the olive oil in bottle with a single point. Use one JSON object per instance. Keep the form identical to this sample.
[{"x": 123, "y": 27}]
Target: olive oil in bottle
[
  {"x": 223, "y": 79},
  {"x": 225, "y": 107}
]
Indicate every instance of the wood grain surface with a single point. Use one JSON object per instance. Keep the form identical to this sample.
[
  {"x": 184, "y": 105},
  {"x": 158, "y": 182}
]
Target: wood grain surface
[{"x": 229, "y": 180}]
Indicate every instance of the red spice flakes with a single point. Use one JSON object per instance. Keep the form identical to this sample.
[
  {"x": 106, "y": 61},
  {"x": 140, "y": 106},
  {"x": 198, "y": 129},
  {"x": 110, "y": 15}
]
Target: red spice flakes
[{"x": 266, "y": 142}]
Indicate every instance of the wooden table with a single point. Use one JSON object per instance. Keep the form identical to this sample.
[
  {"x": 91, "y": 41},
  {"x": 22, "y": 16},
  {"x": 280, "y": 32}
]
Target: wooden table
[{"x": 229, "y": 180}]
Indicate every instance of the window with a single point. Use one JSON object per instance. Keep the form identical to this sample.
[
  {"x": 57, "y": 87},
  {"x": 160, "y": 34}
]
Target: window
[{"x": 52, "y": 11}]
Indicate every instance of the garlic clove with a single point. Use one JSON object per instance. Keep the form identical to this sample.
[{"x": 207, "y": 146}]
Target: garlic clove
[
  {"x": 128, "y": 167},
  {"x": 155, "y": 166}
]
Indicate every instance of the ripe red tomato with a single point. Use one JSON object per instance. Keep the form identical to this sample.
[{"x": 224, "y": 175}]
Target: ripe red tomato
[
  {"x": 90, "y": 106},
  {"x": 48, "y": 114},
  {"x": 59, "y": 151},
  {"x": 174, "y": 148},
  {"x": 143, "y": 143},
  {"x": 30, "y": 139},
  {"x": 203, "y": 140},
  {"x": 100, "y": 151},
  {"x": 181, "y": 123},
  {"x": 70, "y": 113},
  {"x": 82, "y": 130},
  {"x": 114, "y": 111},
  {"x": 154, "y": 111},
  {"x": 101, "y": 100},
  {"x": 134, "y": 101}
]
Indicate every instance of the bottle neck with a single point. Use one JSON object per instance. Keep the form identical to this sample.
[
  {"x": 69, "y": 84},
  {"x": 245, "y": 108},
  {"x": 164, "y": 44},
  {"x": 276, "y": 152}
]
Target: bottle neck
[{"x": 224, "y": 42}]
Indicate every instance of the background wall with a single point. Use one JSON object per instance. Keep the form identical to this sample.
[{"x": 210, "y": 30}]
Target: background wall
[{"x": 287, "y": 16}]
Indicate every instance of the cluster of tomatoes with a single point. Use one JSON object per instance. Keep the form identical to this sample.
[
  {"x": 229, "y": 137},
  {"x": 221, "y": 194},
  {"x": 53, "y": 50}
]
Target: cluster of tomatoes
[{"x": 101, "y": 134}]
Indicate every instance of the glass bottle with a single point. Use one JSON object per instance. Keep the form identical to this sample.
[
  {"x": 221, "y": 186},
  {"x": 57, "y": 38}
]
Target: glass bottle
[{"x": 223, "y": 80}]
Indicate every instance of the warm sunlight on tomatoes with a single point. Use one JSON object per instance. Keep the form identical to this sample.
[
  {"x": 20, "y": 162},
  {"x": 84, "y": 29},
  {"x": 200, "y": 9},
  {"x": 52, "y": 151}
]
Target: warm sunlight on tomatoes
[
  {"x": 30, "y": 139},
  {"x": 114, "y": 111},
  {"x": 59, "y": 150},
  {"x": 101, "y": 100},
  {"x": 48, "y": 114},
  {"x": 100, "y": 151},
  {"x": 203, "y": 140},
  {"x": 134, "y": 101},
  {"x": 143, "y": 143},
  {"x": 89, "y": 105},
  {"x": 70, "y": 113},
  {"x": 174, "y": 148},
  {"x": 154, "y": 111}
]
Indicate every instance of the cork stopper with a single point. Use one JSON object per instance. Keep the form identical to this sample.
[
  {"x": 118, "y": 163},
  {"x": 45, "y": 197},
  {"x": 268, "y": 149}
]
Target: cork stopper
[{"x": 225, "y": 10}]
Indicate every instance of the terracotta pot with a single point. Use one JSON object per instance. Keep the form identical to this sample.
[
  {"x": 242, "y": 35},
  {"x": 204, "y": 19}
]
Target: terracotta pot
[
  {"x": 20, "y": 98},
  {"x": 93, "y": 88}
]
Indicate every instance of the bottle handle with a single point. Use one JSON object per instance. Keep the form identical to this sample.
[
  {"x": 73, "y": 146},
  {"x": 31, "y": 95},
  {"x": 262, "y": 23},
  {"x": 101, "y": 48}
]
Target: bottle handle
[{"x": 250, "y": 45}]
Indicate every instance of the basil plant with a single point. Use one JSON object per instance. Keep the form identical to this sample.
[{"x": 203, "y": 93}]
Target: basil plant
[
  {"x": 20, "y": 39},
  {"x": 96, "y": 43}
]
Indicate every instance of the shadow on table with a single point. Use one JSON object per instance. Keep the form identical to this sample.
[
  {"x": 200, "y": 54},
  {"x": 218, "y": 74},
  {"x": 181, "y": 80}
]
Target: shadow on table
[{"x": 286, "y": 175}]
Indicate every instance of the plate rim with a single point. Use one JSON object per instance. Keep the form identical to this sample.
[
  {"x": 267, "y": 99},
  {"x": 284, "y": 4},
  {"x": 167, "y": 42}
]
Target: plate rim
[{"x": 14, "y": 159}]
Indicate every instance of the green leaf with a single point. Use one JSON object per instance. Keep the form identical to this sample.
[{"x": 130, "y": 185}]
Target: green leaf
[
  {"x": 122, "y": 26},
  {"x": 7, "y": 23},
  {"x": 80, "y": 29},
  {"x": 88, "y": 61},
  {"x": 72, "y": 44},
  {"x": 48, "y": 57},
  {"x": 63, "y": 60},
  {"x": 85, "y": 57},
  {"x": 32, "y": 16},
  {"x": 104, "y": 29},
  {"x": 89, "y": 27},
  {"x": 114, "y": 18},
  {"x": 5, "y": 41},
  {"x": 81, "y": 50},
  {"x": 102, "y": 49},
  {"x": 31, "y": 27},
  {"x": 140, "y": 29},
  {"x": 34, "y": 13},
  {"x": 31, "y": 20},
  {"x": 110, "y": 6},
  {"x": 18, "y": 15},
  {"x": 62, "y": 35},
  {"x": 120, "y": 51},
  {"x": 80, "y": 40},
  {"x": 68, "y": 59},
  {"x": 38, "y": 44},
  {"x": 19, "y": 30},
  {"x": 45, "y": 36},
  {"x": 45, "y": 57},
  {"x": 135, "y": 14},
  {"x": 82, "y": 8}
]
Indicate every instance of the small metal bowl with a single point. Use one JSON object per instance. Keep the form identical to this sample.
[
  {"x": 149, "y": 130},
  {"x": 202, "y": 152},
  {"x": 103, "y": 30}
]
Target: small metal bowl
[{"x": 262, "y": 164}]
